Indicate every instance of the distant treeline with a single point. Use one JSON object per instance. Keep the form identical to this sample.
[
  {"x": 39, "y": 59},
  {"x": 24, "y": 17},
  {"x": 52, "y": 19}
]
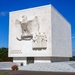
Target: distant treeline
[
  {"x": 4, "y": 55},
  {"x": 72, "y": 58}
]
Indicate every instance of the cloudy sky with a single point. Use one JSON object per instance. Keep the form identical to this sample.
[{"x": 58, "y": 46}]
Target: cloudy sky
[{"x": 65, "y": 7}]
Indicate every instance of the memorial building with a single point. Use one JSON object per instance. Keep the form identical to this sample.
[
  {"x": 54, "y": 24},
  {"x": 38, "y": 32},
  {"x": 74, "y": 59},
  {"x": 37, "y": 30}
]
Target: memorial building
[{"x": 39, "y": 35}]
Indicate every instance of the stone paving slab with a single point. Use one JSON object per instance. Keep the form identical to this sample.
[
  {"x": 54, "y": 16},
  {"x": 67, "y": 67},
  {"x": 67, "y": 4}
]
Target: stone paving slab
[{"x": 48, "y": 67}]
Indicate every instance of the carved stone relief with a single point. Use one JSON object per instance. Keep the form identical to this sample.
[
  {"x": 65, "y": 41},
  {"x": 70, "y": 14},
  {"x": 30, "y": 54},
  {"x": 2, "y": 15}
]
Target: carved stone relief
[
  {"x": 39, "y": 41},
  {"x": 27, "y": 27}
]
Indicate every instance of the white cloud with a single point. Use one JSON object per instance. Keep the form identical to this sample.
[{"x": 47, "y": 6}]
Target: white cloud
[{"x": 3, "y": 13}]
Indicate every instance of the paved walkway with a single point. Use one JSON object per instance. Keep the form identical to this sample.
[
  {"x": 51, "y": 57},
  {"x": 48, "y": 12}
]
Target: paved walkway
[{"x": 47, "y": 67}]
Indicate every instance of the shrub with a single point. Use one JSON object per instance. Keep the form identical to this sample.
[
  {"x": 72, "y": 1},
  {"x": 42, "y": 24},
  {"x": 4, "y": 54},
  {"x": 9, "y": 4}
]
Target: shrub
[
  {"x": 14, "y": 67},
  {"x": 0, "y": 60}
]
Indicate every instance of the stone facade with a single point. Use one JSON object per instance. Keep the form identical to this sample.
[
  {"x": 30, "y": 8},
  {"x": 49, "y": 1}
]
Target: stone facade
[{"x": 40, "y": 34}]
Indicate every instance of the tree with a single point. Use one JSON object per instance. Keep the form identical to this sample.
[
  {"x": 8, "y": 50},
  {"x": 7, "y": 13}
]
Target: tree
[{"x": 4, "y": 54}]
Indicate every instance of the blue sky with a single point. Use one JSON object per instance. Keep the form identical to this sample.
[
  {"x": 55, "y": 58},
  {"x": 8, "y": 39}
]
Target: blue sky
[{"x": 65, "y": 7}]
